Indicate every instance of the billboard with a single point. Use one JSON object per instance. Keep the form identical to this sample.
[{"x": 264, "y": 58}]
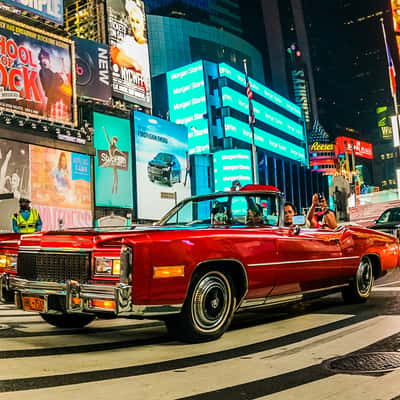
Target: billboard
[
  {"x": 238, "y": 77},
  {"x": 52, "y": 10},
  {"x": 349, "y": 145},
  {"x": 240, "y": 102},
  {"x": 113, "y": 161},
  {"x": 129, "y": 53},
  {"x": 162, "y": 168},
  {"x": 36, "y": 74},
  {"x": 93, "y": 75},
  {"x": 240, "y": 130},
  {"x": 231, "y": 165},
  {"x": 61, "y": 187},
  {"x": 188, "y": 105}
]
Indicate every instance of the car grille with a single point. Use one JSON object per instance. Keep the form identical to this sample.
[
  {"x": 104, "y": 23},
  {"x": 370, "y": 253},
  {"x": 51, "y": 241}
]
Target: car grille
[{"x": 54, "y": 267}]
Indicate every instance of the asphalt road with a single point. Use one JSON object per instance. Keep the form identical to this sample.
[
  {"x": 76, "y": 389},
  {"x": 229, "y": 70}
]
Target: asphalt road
[{"x": 320, "y": 349}]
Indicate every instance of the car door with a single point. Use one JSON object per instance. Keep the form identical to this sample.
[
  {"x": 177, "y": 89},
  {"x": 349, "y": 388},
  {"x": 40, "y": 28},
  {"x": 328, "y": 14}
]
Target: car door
[{"x": 308, "y": 260}]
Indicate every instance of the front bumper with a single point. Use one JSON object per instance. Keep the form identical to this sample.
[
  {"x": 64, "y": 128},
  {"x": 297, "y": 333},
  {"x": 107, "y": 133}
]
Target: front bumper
[{"x": 86, "y": 298}]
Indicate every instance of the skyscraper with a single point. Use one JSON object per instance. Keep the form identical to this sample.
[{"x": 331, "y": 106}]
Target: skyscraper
[{"x": 223, "y": 14}]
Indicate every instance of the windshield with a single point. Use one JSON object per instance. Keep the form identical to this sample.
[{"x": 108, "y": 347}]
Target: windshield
[
  {"x": 239, "y": 209},
  {"x": 164, "y": 157}
]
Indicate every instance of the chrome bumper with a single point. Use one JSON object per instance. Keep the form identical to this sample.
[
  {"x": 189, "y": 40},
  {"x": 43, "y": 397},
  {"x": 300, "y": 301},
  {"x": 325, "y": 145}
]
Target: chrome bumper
[{"x": 80, "y": 298}]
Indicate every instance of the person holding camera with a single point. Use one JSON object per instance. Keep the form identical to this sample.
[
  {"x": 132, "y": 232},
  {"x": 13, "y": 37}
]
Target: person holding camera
[{"x": 324, "y": 218}]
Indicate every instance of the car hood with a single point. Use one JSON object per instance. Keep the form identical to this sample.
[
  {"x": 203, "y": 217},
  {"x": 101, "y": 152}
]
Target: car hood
[{"x": 87, "y": 239}]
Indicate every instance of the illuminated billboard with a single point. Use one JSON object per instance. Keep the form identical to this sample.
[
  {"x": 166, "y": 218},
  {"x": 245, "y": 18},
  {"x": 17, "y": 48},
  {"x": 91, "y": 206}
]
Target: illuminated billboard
[
  {"x": 350, "y": 145},
  {"x": 129, "y": 51},
  {"x": 37, "y": 78},
  {"x": 113, "y": 161},
  {"x": 240, "y": 102},
  {"x": 227, "y": 71},
  {"x": 188, "y": 105},
  {"x": 231, "y": 165},
  {"x": 93, "y": 75},
  {"x": 162, "y": 168},
  {"x": 52, "y": 10},
  {"x": 61, "y": 187},
  {"x": 240, "y": 130}
]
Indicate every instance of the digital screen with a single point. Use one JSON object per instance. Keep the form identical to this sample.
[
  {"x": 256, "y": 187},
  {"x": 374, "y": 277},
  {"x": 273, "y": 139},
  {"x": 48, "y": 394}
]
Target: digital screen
[
  {"x": 188, "y": 105},
  {"x": 256, "y": 87},
  {"x": 162, "y": 168},
  {"x": 37, "y": 75},
  {"x": 239, "y": 102},
  {"x": 52, "y": 10},
  {"x": 231, "y": 165},
  {"x": 129, "y": 51},
  {"x": 61, "y": 187},
  {"x": 240, "y": 130},
  {"x": 349, "y": 145},
  {"x": 93, "y": 75},
  {"x": 113, "y": 161}
]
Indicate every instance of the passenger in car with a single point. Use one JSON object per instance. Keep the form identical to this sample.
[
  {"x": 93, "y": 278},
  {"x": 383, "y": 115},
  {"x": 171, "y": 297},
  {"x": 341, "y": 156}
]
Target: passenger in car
[
  {"x": 289, "y": 212},
  {"x": 255, "y": 215},
  {"x": 219, "y": 215},
  {"x": 325, "y": 218}
]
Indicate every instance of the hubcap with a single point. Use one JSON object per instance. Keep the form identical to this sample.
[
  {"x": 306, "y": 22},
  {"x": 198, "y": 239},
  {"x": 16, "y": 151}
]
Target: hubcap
[
  {"x": 211, "y": 302},
  {"x": 364, "y": 277}
]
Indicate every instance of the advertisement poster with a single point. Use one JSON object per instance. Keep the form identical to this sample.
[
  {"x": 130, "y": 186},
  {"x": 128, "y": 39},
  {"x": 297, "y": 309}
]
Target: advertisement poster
[
  {"x": 93, "y": 75},
  {"x": 162, "y": 168},
  {"x": 129, "y": 53},
  {"x": 36, "y": 77},
  {"x": 230, "y": 166},
  {"x": 52, "y": 10},
  {"x": 61, "y": 187},
  {"x": 113, "y": 161}
]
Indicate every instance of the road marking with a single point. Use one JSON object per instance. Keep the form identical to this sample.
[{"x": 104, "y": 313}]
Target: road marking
[
  {"x": 387, "y": 284},
  {"x": 386, "y": 289}
]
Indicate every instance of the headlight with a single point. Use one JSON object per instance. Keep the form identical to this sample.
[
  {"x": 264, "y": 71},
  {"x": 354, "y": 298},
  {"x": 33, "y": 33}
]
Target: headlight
[
  {"x": 8, "y": 262},
  {"x": 107, "y": 266}
]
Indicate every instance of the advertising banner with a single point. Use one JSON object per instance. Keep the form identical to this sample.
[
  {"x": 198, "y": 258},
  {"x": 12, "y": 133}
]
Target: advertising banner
[
  {"x": 162, "y": 167},
  {"x": 127, "y": 37},
  {"x": 36, "y": 76},
  {"x": 93, "y": 75},
  {"x": 349, "y": 145},
  {"x": 188, "y": 104},
  {"x": 52, "y": 10},
  {"x": 61, "y": 187},
  {"x": 113, "y": 161},
  {"x": 232, "y": 165}
]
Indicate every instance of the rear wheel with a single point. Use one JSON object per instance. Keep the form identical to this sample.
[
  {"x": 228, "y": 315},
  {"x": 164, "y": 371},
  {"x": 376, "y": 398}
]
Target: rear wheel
[
  {"x": 360, "y": 288},
  {"x": 208, "y": 309},
  {"x": 66, "y": 320}
]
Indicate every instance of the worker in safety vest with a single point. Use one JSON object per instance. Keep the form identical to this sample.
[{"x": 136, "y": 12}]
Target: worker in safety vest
[{"x": 27, "y": 220}]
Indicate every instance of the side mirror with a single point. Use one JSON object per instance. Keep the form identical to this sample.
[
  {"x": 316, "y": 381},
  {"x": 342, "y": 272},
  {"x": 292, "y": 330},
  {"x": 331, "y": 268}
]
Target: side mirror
[{"x": 297, "y": 221}]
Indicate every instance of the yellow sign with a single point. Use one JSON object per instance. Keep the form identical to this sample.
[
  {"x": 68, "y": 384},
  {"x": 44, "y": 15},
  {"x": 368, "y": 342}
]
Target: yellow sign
[{"x": 316, "y": 146}]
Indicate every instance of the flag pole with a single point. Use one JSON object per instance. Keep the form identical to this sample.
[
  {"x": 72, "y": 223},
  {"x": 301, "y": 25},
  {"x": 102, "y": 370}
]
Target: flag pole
[
  {"x": 251, "y": 124},
  {"x": 393, "y": 86}
]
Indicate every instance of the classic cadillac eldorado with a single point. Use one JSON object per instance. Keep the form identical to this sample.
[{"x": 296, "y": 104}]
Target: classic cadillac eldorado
[{"x": 209, "y": 257}]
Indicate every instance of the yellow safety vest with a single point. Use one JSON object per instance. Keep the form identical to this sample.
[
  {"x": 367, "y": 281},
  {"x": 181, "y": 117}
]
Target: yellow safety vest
[{"x": 27, "y": 225}]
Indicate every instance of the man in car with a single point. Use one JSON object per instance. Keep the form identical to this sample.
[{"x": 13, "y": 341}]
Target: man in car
[
  {"x": 325, "y": 218},
  {"x": 289, "y": 213}
]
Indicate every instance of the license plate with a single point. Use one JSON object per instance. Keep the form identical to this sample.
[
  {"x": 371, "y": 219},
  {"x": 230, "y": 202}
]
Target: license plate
[{"x": 33, "y": 304}]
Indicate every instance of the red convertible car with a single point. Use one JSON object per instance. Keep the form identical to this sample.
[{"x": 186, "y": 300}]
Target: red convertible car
[{"x": 209, "y": 257}]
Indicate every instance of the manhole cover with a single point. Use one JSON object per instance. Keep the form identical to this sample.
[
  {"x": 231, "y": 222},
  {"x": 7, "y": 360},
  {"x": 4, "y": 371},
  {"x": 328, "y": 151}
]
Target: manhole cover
[{"x": 365, "y": 362}]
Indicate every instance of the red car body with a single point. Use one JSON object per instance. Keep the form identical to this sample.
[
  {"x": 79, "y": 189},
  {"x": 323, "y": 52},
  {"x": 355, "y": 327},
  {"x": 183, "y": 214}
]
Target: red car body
[{"x": 205, "y": 260}]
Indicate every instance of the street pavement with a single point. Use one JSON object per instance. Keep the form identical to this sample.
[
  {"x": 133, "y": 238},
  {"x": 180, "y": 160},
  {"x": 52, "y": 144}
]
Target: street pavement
[{"x": 320, "y": 349}]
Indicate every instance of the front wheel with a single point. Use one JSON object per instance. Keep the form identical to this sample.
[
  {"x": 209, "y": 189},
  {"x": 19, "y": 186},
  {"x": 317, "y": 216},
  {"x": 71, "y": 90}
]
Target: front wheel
[
  {"x": 360, "y": 288},
  {"x": 66, "y": 320},
  {"x": 208, "y": 309}
]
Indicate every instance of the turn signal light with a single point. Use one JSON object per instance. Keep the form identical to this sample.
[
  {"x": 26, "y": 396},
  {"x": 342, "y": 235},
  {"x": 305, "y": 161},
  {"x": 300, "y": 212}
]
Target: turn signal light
[
  {"x": 173, "y": 271},
  {"x": 105, "y": 304}
]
